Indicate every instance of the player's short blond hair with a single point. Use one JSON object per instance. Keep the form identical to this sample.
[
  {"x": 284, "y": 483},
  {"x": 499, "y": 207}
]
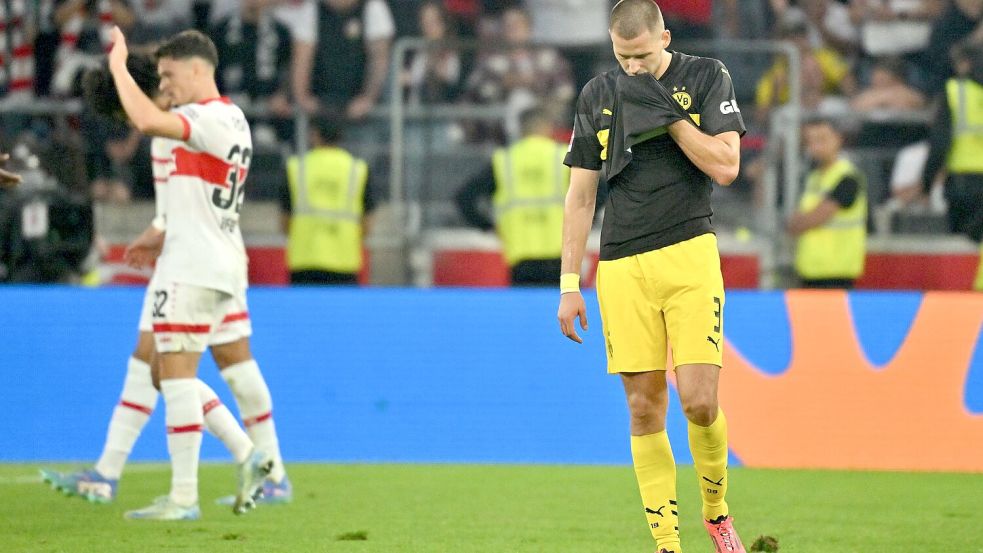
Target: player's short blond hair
[{"x": 630, "y": 18}]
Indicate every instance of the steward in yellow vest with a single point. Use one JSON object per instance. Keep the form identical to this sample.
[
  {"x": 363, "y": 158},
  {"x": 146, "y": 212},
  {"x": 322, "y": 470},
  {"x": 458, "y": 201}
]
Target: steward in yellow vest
[
  {"x": 956, "y": 144},
  {"x": 831, "y": 222},
  {"x": 325, "y": 214},
  {"x": 527, "y": 184}
]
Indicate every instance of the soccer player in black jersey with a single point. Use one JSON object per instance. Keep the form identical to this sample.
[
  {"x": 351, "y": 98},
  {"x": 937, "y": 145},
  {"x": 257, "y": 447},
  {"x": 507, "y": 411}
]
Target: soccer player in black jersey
[{"x": 663, "y": 126}]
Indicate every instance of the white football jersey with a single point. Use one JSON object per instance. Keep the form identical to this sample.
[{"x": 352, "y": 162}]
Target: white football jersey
[
  {"x": 204, "y": 193},
  {"x": 162, "y": 160}
]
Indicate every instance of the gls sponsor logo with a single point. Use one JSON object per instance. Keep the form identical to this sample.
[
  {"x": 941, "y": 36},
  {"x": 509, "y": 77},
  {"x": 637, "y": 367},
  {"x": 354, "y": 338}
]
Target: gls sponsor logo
[{"x": 729, "y": 106}]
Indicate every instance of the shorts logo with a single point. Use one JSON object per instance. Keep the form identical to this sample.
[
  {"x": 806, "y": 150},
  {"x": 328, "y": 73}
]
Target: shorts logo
[
  {"x": 682, "y": 97},
  {"x": 716, "y": 343}
]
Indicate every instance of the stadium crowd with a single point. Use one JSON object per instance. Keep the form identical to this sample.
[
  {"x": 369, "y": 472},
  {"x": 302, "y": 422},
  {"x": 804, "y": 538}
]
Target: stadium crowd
[{"x": 880, "y": 65}]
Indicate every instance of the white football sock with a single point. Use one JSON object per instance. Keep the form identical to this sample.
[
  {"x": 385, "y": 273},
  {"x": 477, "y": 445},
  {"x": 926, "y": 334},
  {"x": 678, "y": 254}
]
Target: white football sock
[
  {"x": 184, "y": 426},
  {"x": 137, "y": 402},
  {"x": 256, "y": 410},
  {"x": 220, "y": 422}
]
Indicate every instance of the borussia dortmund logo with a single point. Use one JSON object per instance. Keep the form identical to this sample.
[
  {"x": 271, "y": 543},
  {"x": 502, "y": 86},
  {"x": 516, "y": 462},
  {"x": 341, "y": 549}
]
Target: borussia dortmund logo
[{"x": 683, "y": 97}]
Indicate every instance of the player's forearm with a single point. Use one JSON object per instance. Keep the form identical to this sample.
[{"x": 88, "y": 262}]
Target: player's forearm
[
  {"x": 578, "y": 212},
  {"x": 719, "y": 159}
]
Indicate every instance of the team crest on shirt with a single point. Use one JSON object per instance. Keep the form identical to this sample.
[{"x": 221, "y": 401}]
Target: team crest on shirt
[{"x": 682, "y": 97}]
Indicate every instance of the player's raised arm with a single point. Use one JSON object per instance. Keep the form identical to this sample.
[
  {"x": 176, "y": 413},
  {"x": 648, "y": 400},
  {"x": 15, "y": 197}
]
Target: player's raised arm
[
  {"x": 578, "y": 213},
  {"x": 714, "y": 147},
  {"x": 141, "y": 110},
  {"x": 719, "y": 156}
]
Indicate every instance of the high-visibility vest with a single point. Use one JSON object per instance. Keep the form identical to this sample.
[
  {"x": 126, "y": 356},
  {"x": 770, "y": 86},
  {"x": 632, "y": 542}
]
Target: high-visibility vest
[
  {"x": 530, "y": 188},
  {"x": 836, "y": 249},
  {"x": 966, "y": 107},
  {"x": 326, "y": 219}
]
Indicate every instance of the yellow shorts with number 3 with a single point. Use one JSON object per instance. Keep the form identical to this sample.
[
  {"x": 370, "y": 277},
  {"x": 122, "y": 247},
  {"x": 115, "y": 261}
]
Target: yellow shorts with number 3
[{"x": 673, "y": 296}]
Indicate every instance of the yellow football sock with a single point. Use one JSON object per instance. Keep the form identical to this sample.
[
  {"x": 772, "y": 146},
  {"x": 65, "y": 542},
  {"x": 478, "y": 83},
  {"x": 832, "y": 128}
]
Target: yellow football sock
[
  {"x": 656, "y": 473},
  {"x": 978, "y": 284},
  {"x": 708, "y": 444}
]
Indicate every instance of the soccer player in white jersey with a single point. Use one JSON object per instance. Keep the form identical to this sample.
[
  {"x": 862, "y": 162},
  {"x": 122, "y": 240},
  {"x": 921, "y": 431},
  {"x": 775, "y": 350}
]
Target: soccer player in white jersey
[
  {"x": 201, "y": 272},
  {"x": 139, "y": 395}
]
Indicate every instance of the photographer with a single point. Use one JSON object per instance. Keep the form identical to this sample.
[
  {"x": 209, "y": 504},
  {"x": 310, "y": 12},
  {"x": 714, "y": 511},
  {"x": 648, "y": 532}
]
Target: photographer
[{"x": 45, "y": 230}]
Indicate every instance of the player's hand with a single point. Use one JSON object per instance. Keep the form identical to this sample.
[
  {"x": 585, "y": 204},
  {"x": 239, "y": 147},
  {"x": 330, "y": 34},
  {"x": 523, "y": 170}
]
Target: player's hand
[
  {"x": 119, "y": 53},
  {"x": 572, "y": 306},
  {"x": 145, "y": 249},
  {"x": 6, "y": 177}
]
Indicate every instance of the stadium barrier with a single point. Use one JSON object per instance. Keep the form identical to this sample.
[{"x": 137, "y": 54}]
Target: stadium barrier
[{"x": 812, "y": 379}]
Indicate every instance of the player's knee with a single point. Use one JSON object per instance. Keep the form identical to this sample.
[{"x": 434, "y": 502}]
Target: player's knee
[
  {"x": 228, "y": 355},
  {"x": 647, "y": 412},
  {"x": 700, "y": 411}
]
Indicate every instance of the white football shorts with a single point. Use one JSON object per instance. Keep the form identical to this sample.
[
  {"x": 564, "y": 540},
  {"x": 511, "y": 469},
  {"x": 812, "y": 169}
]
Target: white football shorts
[{"x": 184, "y": 317}]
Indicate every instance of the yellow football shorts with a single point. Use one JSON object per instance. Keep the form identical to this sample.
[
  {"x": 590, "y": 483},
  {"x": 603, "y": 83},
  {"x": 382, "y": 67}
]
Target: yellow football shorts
[{"x": 670, "y": 296}]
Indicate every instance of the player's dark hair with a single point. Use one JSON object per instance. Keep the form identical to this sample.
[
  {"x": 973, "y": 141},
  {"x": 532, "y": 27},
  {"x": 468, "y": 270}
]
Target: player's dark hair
[
  {"x": 189, "y": 44},
  {"x": 630, "y": 18},
  {"x": 99, "y": 89}
]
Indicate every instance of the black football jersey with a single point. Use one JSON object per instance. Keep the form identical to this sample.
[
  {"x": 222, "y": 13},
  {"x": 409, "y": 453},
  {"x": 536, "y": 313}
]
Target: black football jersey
[{"x": 657, "y": 197}]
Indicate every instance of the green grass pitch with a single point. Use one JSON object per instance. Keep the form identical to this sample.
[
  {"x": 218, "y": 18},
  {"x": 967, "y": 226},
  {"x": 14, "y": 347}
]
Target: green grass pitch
[{"x": 502, "y": 508}]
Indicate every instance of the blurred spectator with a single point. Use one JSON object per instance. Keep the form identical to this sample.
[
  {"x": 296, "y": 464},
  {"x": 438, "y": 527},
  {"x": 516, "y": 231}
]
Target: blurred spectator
[
  {"x": 906, "y": 186},
  {"x": 892, "y": 27},
  {"x": 688, "y": 19},
  {"x": 828, "y": 23},
  {"x": 956, "y": 142},
  {"x": 83, "y": 28},
  {"x": 747, "y": 19},
  {"x": 8, "y": 179},
  {"x": 433, "y": 74},
  {"x": 888, "y": 89},
  {"x": 519, "y": 74},
  {"x": 18, "y": 28},
  {"x": 326, "y": 215},
  {"x": 962, "y": 19},
  {"x": 466, "y": 13},
  {"x": 46, "y": 226},
  {"x": 351, "y": 61},
  {"x": 300, "y": 18},
  {"x": 527, "y": 183},
  {"x": 579, "y": 27},
  {"x": 824, "y": 72},
  {"x": 157, "y": 20},
  {"x": 831, "y": 222},
  {"x": 254, "y": 54}
]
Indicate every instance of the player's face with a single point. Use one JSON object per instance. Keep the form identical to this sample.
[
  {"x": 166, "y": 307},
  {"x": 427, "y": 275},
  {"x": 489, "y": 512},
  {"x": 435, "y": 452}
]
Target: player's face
[
  {"x": 822, "y": 142},
  {"x": 177, "y": 79},
  {"x": 642, "y": 54}
]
